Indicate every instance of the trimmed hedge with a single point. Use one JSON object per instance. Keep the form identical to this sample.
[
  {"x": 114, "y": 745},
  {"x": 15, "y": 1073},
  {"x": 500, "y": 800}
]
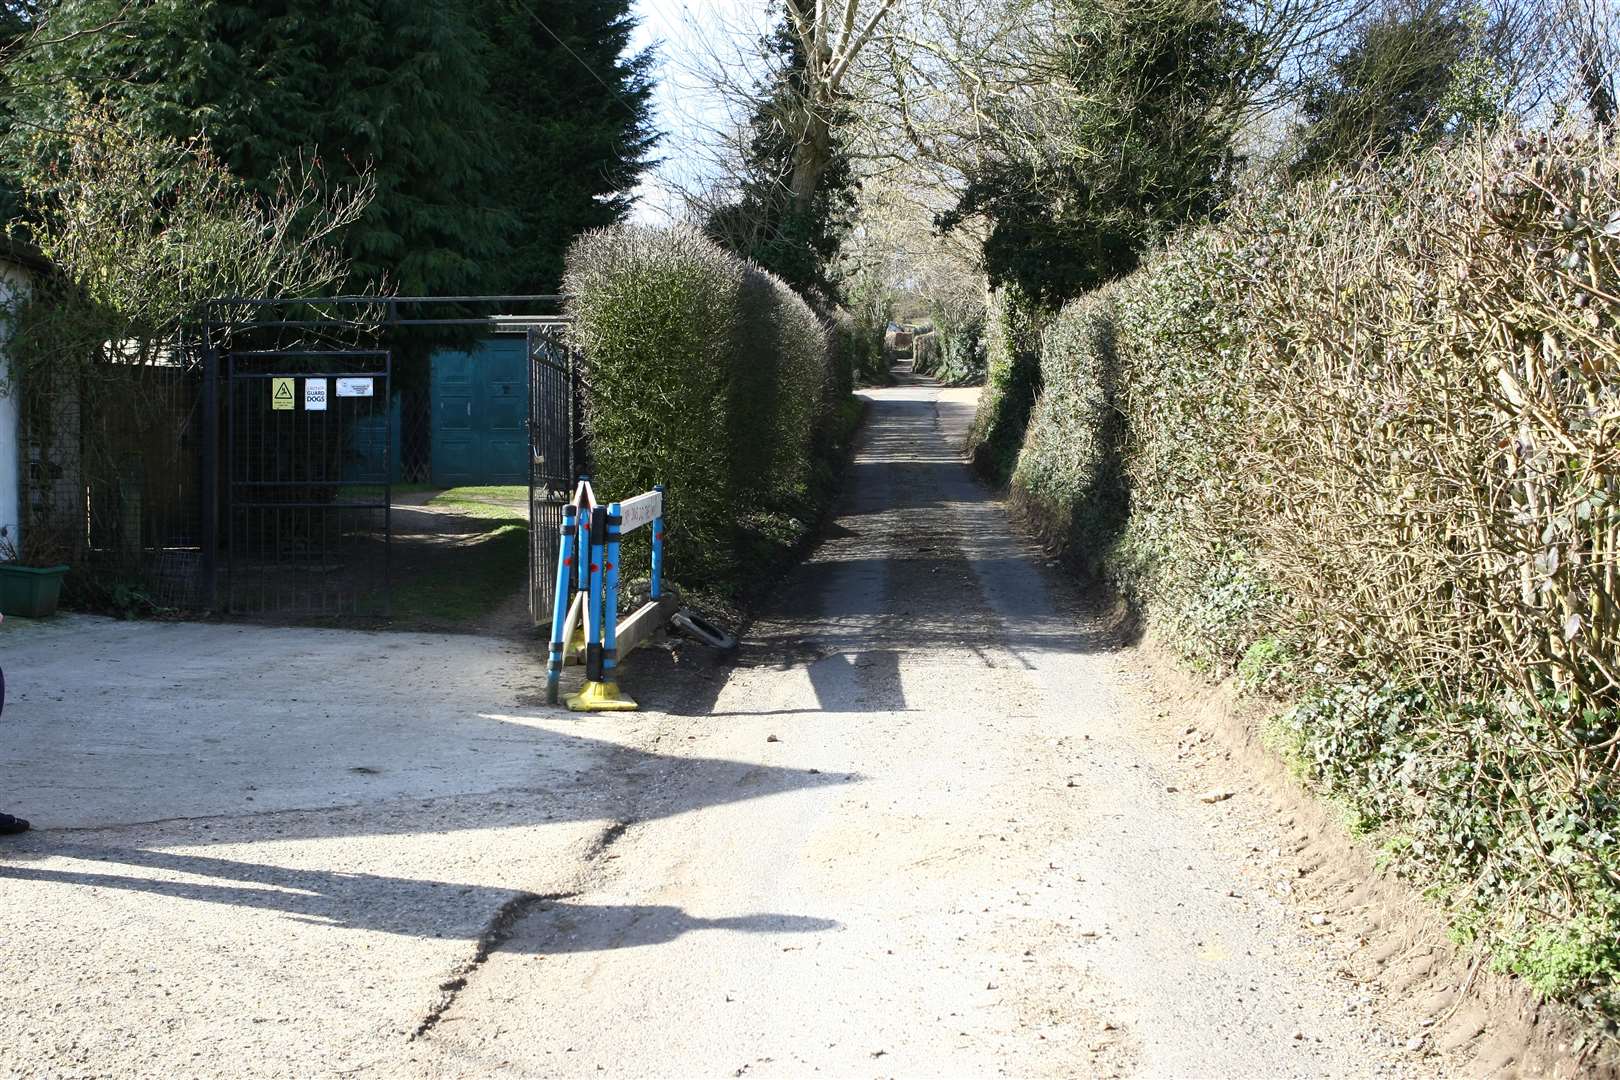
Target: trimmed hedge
[
  {"x": 1012, "y": 381},
  {"x": 709, "y": 375},
  {"x": 952, "y": 353},
  {"x": 1068, "y": 479},
  {"x": 1360, "y": 444}
]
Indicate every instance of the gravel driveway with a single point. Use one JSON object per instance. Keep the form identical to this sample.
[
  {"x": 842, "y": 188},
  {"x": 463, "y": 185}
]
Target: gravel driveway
[{"x": 913, "y": 829}]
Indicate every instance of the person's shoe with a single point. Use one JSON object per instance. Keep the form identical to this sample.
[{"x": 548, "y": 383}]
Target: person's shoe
[{"x": 10, "y": 825}]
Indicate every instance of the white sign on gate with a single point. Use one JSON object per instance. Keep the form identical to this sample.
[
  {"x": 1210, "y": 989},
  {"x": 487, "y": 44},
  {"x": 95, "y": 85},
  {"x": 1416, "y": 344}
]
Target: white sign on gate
[
  {"x": 315, "y": 395},
  {"x": 354, "y": 388}
]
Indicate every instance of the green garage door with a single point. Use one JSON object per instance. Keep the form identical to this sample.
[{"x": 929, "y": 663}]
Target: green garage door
[{"x": 480, "y": 405}]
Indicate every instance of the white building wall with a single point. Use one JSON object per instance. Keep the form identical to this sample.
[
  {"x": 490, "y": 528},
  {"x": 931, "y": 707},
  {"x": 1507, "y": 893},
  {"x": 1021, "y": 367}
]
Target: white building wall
[{"x": 14, "y": 282}]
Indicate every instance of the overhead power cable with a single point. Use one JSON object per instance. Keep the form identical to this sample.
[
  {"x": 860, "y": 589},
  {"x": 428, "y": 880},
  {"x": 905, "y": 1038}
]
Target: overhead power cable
[{"x": 610, "y": 88}]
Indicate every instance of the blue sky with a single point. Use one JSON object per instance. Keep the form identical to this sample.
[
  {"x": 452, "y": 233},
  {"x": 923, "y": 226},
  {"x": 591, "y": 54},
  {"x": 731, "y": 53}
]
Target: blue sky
[{"x": 686, "y": 31}]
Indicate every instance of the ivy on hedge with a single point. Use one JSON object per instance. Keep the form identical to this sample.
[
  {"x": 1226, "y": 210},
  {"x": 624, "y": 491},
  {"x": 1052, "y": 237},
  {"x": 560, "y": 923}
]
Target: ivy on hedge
[{"x": 1360, "y": 442}]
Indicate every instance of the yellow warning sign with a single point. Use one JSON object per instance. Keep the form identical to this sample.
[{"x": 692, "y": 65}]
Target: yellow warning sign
[{"x": 281, "y": 393}]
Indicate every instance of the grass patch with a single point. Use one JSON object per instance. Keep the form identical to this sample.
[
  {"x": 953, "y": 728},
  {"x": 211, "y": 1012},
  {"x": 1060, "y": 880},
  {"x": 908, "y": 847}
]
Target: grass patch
[
  {"x": 462, "y": 501},
  {"x": 501, "y": 502},
  {"x": 375, "y": 492},
  {"x": 479, "y": 578},
  {"x": 508, "y": 493}
]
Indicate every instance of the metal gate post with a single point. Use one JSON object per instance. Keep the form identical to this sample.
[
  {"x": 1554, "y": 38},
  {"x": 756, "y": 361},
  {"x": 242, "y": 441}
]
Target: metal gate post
[
  {"x": 211, "y": 451},
  {"x": 389, "y": 451}
]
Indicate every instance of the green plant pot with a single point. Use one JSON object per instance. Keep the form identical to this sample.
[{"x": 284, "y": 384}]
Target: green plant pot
[{"x": 30, "y": 591}]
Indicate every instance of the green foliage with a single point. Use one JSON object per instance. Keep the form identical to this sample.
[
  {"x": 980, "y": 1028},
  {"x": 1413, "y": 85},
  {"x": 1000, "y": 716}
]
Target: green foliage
[
  {"x": 488, "y": 146},
  {"x": 868, "y": 309},
  {"x": 569, "y": 150},
  {"x": 1264, "y": 664},
  {"x": 952, "y": 352},
  {"x": 140, "y": 230},
  {"x": 1152, "y": 93},
  {"x": 1068, "y": 478},
  {"x": 1413, "y": 72},
  {"x": 1012, "y": 381},
  {"x": 1368, "y": 458},
  {"x": 710, "y": 376},
  {"x": 962, "y": 359},
  {"x": 859, "y": 350},
  {"x": 1576, "y": 961}
]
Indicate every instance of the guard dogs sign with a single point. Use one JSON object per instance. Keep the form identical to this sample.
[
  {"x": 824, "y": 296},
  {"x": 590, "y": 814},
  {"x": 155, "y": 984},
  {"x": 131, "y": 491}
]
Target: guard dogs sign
[{"x": 315, "y": 395}]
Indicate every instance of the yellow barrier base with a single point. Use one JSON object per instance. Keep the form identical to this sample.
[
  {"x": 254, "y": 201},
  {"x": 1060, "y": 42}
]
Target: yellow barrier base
[{"x": 600, "y": 697}]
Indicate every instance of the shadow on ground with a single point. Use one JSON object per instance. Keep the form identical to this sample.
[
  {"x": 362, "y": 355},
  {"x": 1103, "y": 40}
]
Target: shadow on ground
[{"x": 376, "y": 902}]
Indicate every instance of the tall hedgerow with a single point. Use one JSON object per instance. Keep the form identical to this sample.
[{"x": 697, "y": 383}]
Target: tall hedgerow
[
  {"x": 703, "y": 373},
  {"x": 655, "y": 315},
  {"x": 1068, "y": 478},
  {"x": 1012, "y": 380},
  {"x": 1371, "y": 453}
]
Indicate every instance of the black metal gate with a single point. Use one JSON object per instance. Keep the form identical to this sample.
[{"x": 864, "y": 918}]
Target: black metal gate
[
  {"x": 294, "y": 500},
  {"x": 555, "y": 458},
  {"x": 310, "y": 454}
]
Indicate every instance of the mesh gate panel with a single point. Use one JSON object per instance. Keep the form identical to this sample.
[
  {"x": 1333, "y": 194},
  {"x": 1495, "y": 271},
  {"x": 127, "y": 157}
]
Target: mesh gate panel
[
  {"x": 553, "y": 425},
  {"x": 307, "y": 519}
]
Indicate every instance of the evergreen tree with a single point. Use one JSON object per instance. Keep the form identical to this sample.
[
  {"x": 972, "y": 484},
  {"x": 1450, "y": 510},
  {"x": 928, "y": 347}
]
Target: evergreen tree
[
  {"x": 575, "y": 127},
  {"x": 1410, "y": 74},
  {"x": 489, "y": 145},
  {"x": 1152, "y": 92}
]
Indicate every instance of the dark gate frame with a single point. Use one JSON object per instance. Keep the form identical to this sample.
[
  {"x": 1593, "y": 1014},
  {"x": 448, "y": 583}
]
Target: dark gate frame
[
  {"x": 305, "y": 511},
  {"x": 311, "y": 326},
  {"x": 556, "y": 457}
]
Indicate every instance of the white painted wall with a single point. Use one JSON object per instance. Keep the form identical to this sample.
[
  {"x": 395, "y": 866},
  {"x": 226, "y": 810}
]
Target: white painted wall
[{"x": 14, "y": 281}]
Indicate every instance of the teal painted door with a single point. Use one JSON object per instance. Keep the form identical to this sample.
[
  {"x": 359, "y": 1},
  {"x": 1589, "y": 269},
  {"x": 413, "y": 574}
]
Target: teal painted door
[
  {"x": 374, "y": 438},
  {"x": 480, "y": 405}
]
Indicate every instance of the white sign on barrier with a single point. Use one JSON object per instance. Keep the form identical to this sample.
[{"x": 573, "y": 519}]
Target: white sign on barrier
[{"x": 640, "y": 511}]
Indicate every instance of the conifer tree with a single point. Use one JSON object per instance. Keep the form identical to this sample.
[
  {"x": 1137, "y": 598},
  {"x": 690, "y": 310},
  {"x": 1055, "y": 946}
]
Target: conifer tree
[
  {"x": 575, "y": 129},
  {"x": 490, "y": 146}
]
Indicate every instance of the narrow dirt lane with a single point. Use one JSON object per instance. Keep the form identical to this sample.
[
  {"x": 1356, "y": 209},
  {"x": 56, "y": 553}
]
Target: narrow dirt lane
[{"x": 948, "y": 853}]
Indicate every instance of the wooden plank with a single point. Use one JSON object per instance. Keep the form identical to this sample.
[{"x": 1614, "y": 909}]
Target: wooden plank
[
  {"x": 573, "y": 657},
  {"x": 632, "y": 631},
  {"x": 642, "y": 625}
]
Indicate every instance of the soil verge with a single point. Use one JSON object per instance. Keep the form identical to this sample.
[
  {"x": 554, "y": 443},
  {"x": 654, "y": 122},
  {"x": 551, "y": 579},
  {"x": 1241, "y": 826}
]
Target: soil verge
[{"x": 1393, "y": 940}]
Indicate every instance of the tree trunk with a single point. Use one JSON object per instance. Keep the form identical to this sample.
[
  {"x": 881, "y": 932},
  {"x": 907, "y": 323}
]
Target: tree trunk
[{"x": 811, "y": 157}]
